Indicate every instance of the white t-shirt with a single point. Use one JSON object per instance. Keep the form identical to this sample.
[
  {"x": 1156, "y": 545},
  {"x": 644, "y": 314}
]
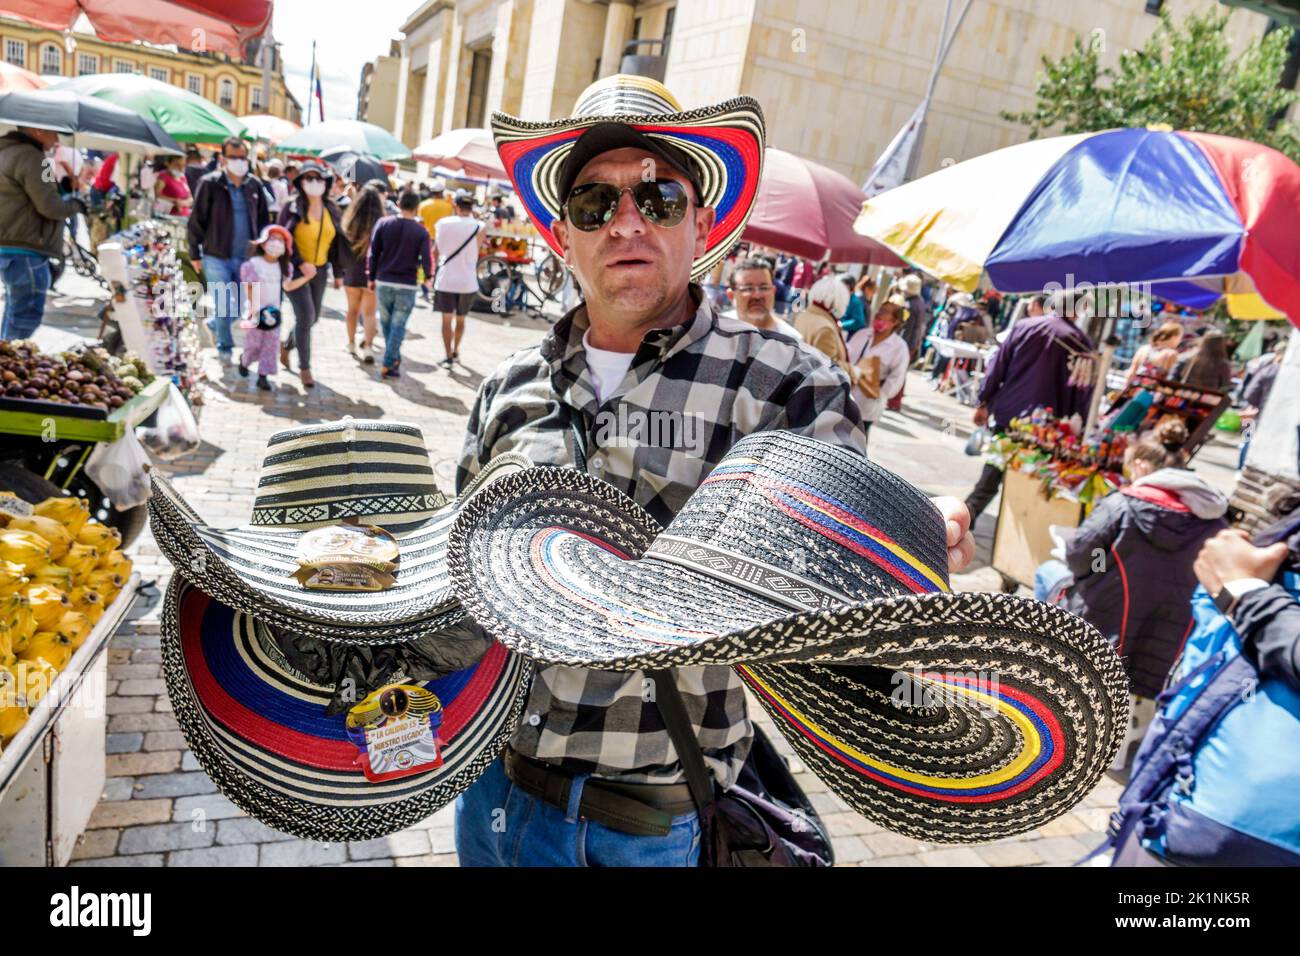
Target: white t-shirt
[
  {"x": 458, "y": 275},
  {"x": 607, "y": 368}
]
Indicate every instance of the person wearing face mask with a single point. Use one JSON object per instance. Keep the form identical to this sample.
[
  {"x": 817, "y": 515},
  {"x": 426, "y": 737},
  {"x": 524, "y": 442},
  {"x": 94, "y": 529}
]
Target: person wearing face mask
[
  {"x": 316, "y": 225},
  {"x": 882, "y": 357},
  {"x": 32, "y": 217},
  {"x": 229, "y": 211}
]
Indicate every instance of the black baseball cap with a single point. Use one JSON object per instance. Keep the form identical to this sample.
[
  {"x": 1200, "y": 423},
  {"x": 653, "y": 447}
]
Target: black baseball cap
[{"x": 604, "y": 137}]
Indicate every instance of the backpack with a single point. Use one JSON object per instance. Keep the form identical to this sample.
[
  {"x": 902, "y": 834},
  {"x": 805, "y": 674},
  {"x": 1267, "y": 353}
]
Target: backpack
[{"x": 1216, "y": 778}]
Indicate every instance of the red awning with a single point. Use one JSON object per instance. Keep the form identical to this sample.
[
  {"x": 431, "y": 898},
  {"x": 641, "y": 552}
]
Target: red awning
[{"x": 213, "y": 26}]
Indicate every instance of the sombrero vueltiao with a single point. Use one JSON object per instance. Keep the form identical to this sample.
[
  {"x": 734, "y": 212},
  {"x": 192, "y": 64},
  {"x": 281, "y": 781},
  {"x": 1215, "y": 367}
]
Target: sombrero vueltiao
[
  {"x": 260, "y": 730},
  {"x": 373, "y": 472},
  {"x": 823, "y": 578},
  {"x": 724, "y": 143}
]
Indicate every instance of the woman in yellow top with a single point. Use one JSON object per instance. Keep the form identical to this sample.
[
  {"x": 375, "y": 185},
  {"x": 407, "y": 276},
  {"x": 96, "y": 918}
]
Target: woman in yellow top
[{"x": 315, "y": 223}]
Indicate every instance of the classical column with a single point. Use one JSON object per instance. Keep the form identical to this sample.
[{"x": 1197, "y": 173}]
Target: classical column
[{"x": 618, "y": 30}]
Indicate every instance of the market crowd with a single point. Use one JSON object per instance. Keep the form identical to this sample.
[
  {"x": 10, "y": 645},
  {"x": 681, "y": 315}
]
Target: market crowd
[{"x": 1175, "y": 585}]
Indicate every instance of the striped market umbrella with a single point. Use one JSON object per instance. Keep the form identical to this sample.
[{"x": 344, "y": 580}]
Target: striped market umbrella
[
  {"x": 1120, "y": 206},
  {"x": 188, "y": 117},
  {"x": 360, "y": 137}
]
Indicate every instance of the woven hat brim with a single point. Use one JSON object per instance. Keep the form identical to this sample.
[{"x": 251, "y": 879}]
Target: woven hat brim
[
  {"x": 1053, "y": 688},
  {"x": 726, "y": 141},
  {"x": 250, "y": 569},
  {"x": 317, "y": 804}
]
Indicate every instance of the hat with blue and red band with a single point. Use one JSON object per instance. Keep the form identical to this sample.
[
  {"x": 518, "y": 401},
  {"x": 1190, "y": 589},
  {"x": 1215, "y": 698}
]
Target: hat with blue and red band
[
  {"x": 719, "y": 148},
  {"x": 264, "y": 729},
  {"x": 822, "y": 578}
]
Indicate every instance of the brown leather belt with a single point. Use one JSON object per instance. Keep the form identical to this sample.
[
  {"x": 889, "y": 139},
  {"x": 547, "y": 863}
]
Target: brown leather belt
[{"x": 642, "y": 809}]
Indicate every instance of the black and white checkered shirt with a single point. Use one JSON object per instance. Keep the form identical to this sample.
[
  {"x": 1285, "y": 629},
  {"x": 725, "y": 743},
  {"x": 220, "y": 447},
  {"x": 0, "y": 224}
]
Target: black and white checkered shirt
[{"x": 691, "y": 393}]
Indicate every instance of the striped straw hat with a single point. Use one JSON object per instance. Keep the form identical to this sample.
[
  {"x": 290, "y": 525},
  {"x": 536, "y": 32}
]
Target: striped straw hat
[
  {"x": 370, "y": 472},
  {"x": 719, "y": 147},
  {"x": 823, "y": 579},
  {"x": 260, "y": 728}
]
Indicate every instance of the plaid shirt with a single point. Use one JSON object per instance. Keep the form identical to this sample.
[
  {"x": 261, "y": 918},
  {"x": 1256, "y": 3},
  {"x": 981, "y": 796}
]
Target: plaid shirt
[{"x": 692, "y": 391}]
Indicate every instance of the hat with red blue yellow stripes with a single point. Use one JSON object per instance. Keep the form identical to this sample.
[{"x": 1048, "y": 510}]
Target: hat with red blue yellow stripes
[
  {"x": 719, "y": 148},
  {"x": 823, "y": 580}
]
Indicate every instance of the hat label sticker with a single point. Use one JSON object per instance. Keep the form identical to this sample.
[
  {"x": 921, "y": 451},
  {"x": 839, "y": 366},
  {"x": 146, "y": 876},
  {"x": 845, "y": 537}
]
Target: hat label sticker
[
  {"x": 395, "y": 730},
  {"x": 347, "y": 557}
]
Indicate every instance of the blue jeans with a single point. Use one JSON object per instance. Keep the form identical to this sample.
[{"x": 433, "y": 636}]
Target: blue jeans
[
  {"x": 497, "y": 824},
  {"x": 395, "y": 304},
  {"x": 222, "y": 276},
  {"x": 26, "y": 279},
  {"x": 1051, "y": 578}
]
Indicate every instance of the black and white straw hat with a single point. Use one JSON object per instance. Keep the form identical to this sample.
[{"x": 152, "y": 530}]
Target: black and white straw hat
[
  {"x": 369, "y": 472},
  {"x": 264, "y": 730},
  {"x": 823, "y": 579}
]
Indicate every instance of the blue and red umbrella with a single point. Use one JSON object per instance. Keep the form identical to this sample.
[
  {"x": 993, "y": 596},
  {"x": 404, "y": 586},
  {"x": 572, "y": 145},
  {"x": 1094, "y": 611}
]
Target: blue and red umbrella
[{"x": 1120, "y": 206}]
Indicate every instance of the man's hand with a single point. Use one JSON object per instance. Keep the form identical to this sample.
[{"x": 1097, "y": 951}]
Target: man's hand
[
  {"x": 1229, "y": 556},
  {"x": 981, "y": 416},
  {"x": 961, "y": 543},
  {"x": 197, "y": 266},
  {"x": 309, "y": 270},
  {"x": 338, "y": 283}
]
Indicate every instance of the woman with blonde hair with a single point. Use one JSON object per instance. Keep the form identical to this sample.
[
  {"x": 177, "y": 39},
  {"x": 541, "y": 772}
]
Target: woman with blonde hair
[{"x": 1158, "y": 356}]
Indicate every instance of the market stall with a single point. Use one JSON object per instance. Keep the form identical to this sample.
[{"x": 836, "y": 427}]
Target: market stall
[
  {"x": 65, "y": 584},
  {"x": 1056, "y": 472}
]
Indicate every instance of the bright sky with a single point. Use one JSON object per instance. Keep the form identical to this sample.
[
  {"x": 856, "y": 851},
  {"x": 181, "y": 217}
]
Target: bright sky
[{"x": 347, "y": 36}]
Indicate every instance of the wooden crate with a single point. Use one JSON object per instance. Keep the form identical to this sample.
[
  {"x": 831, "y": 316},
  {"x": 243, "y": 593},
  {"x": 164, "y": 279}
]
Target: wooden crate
[{"x": 1022, "y": 542}]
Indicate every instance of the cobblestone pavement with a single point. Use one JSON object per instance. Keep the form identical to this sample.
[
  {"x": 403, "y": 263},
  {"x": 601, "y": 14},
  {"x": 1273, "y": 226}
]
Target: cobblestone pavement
[{"x": 158, "y": 808}]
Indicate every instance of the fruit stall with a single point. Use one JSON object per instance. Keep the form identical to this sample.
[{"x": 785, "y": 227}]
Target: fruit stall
[
  {"x": 70, "y": 425},
  {"x": 65, "y": 585}
]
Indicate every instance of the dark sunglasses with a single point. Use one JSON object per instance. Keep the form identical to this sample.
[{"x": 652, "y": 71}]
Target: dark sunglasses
[{"x": 663, "y": 202}]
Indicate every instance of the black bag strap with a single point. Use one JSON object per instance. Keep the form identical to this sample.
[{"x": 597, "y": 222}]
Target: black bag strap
[
  {"x": 678, "y": 724},
  {"x": 461, "y": 247}
]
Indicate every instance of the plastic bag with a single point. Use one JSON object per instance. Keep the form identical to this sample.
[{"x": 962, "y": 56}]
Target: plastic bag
[
  {"x": 120, "y": 469},
  {"x": 173, "y": 431},
  {"x": 975, "y": 444}
]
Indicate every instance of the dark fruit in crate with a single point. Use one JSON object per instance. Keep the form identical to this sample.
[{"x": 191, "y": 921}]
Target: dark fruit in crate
[
  {"x": 117, "y": 401},
  {"x": 31, "y": 393}
]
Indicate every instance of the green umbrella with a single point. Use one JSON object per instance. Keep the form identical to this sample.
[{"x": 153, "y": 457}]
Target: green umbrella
[
  {"x": 354, "y": 135},
  {"x": 188, "y": 117}
]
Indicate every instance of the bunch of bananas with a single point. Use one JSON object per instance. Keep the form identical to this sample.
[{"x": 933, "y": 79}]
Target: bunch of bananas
[{"x": 59, "y": 571}]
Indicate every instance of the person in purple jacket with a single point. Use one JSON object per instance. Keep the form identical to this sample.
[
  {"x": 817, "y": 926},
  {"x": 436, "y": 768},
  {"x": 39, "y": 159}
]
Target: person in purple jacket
[
  {"x": 399, "y": 246},
  {"x": 1030, "y": 369}
]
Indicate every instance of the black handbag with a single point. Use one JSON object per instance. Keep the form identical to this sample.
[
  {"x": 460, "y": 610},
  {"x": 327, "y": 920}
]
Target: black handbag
[{"x": 764, "y": 819}]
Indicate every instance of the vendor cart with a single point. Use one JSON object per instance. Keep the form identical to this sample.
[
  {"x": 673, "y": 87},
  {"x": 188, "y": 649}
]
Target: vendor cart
[
  {"x": 52, "y": 771},
  {"x": 1030, "y": 505},
  {"x": 47, "y": 445},
  {"x": 512, "y": 255}
]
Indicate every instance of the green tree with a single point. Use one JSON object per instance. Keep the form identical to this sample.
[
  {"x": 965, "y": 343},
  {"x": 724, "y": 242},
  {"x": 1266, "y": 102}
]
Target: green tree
[{"x": 1184, "y": 76}]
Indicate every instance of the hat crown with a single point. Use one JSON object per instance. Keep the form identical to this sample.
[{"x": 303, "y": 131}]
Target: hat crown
[
  {"x": 376, "y": 472},
  {"x": 782, "y": 511},
  {"x": 626, "y": 94}
]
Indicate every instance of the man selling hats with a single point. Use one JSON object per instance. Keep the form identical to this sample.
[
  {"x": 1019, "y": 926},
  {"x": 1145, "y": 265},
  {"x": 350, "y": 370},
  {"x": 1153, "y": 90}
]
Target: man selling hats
[{"x": 644, "y": 387}]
